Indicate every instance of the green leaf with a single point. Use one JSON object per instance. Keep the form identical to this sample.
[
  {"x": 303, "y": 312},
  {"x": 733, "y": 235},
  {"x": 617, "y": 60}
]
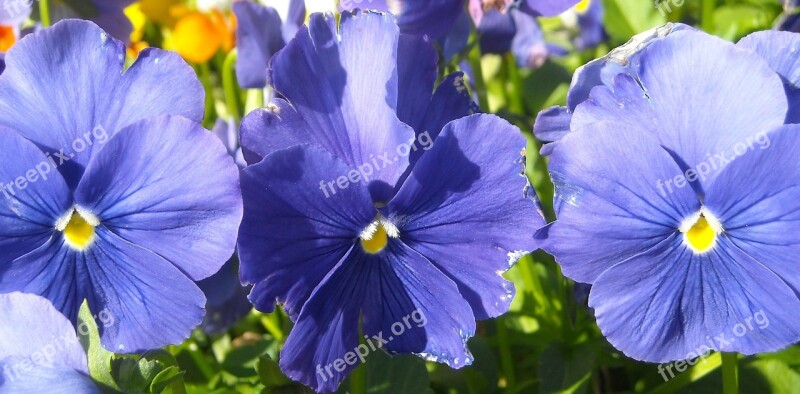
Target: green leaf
[
  {"x": 733, "y": 22},
  {"x": 626, "y": 18},
  {"x": 270, "y": 373},
  {"x": 99, "y": 358},
  {"x": 566, "y": 369},
  {"x": 166, "y": 378},
  {"x": 397, "y": 374}
]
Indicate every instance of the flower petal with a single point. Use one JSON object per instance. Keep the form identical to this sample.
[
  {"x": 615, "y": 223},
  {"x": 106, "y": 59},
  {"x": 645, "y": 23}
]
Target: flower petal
[
  {"x": 74, "y": 70},
  {"x": 180, "y": 200},
  {"x": 462, "y": 187},
  {"x": 613, "y": 198},
  {"x": 152, "y": 303},
  {"x": 33, "y": 196},
  {"x": 59, "y": 380},
  {"x": 670, "y": 304},
  {"x": 258, "y": 36},
  {"x": 756, "y": 200},
  {"x": 548, "y": 7},
  {"x": 416, "y": 307},
  {"x": 297, "y": 227},
  {"x": 417, "y": 69},
  {"x": 700, "y": 63},
  {"x": 33, "y": 326},
  {"x": 52, "y": 271},
  {"x": 331, "y": 77},
  {"x": 779, "y": 49}
]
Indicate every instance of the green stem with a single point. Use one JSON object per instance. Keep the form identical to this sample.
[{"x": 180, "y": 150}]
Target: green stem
[
  {"x": 514, "y": 89},
  {"x": 506, "y": 359},
  {"x": 707, "y": 15},
  {"x": 477, "y": 72},
  {"x": 730, "y": 373},
  {"x": 204, "y": 72},
  {"x": 229, "y": 85},
  {"x": 44, "y": 12},
  {"x": 358, "y": 380}
]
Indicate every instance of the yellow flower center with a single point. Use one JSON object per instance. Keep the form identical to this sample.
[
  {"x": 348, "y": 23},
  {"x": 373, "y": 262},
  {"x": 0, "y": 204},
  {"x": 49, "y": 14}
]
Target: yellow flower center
[
  {"x": 376, "y": 236},
  {"x": 377, "y": 243},
  {"x": 78, "y": 228},
  {"x": 700, "y": 232},
  {"x": 583, "y": 6}
]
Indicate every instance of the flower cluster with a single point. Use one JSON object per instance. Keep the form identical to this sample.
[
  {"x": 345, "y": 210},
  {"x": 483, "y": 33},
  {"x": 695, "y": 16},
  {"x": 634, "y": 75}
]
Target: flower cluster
[{"x": 281, "y": 195}]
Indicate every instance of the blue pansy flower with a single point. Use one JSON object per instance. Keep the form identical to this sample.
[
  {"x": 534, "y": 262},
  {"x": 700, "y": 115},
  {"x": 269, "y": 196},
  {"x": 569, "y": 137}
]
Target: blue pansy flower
[
  {"x": 431, "y": 18},
  {"x": 675, "y": 202},
  {"x": 260, "y": 32},
  {"x": 39, "y": 349},
  {"x": 533, "y": 7},
  {"x": 553, "y": 123},
  {"x": 227, "y": 299},
  {"x": 102, "y": 197},
  {"x": 592, "y": 32},
  {"x": 376, "y": 199},
  {"x": 108, "y": 14}
]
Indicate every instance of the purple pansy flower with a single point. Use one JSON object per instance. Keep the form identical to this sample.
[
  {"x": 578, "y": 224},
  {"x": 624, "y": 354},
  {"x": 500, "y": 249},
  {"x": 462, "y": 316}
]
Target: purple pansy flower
[
  {"x": 102, "y": 197},
  {"x": 431, "y": 18},
  {"x": 553, "y": 123},
  {"x": 590, "y": 23},
  {"x": 39, "y": 349},
  {"x": 227, "y": 299},
  {"x": 260, "y": 32},
  {"x": 375, "y": 198},
  {"x": 108, "y": 14},
  {"x": 674, "y": 201}
]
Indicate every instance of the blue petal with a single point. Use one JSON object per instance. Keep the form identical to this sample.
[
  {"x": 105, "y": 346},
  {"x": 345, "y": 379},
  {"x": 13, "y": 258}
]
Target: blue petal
[
  {"x": 330, "y": 78},
  {"x": 433, "y": 18},
  {"x": 144, "y": 185},
  {"x": 389, "y": 287},
  {"x": 327, "y": 328},
  {"x": 298, "y": 224},
  {"x": 670, "y": 304},
  {"x": 417, "y": 69},
  {"x": 52, "y": 271},
  {"x": 462, "y": 187},
  {"x": 151, "y": 303},
  {"x": 270, "y": 129},
  {"x": 696, "y": 62},
  {"x": 34, "y": 330},
  {"x": 548, "y": 7},
  {"x": 613, "y": 199},
  {"x": 552, "y": 124},
  {"x": 780, "y": 50},
  {"x": 57, "y": 380},
  {"x": 756, "y": 200},
  {"x": 456, "y": 40},
  {"x": 415, "y": 306},
  {"x": 227, "y": 299},
  {"x": 496, "y": 31},
  {"x": 33, "y": 196},
  {"x": 64, "y": 89},
  {"x": 258, "y": 36},
  {"x": 528, "y": 46}
]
